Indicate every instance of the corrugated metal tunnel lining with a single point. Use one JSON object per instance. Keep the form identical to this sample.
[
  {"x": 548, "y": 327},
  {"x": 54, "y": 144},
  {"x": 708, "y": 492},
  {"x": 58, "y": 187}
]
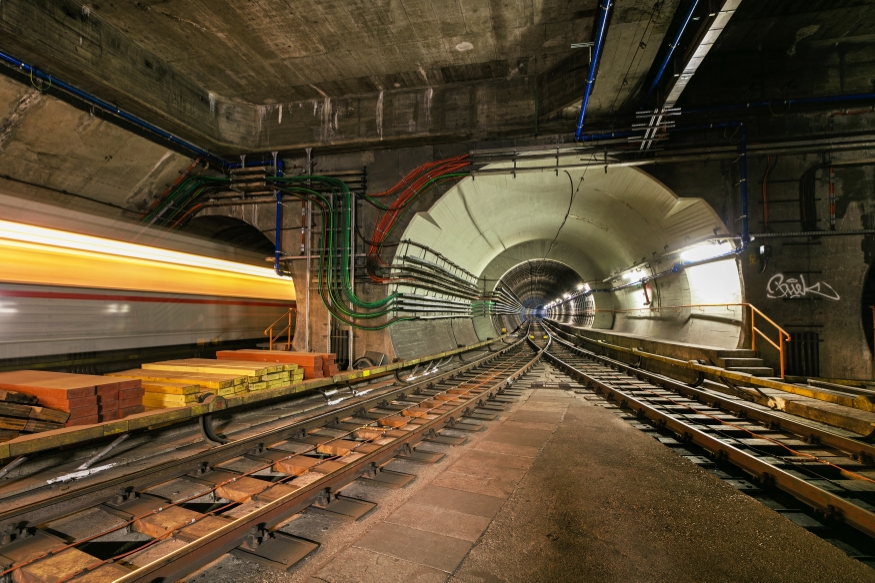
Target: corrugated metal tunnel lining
[{"x": 610, "y": 227}]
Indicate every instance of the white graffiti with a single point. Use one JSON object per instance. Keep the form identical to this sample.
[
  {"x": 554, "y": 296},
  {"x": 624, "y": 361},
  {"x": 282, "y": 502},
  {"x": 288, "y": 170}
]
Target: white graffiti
[{"x": 793, "y": 288}]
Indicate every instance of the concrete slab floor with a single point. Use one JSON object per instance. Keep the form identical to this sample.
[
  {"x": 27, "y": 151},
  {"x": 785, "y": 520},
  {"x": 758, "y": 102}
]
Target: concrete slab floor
[{"x": 556, "y": 489}]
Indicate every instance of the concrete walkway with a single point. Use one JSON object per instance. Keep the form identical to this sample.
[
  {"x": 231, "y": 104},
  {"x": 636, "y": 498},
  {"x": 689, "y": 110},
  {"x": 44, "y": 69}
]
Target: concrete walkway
[{"x": 557, "y": 489}]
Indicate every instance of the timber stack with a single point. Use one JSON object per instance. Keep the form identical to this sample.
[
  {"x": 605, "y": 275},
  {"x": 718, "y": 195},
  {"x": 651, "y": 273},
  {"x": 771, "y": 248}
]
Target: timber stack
[
  {"x": 313, "y": 364},
  {"x": 179, "y": 383},
  {"x": 57, "y": 400}
]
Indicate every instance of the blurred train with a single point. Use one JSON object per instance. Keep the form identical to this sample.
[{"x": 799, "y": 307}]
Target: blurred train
[{"x": 84, "y": 289}]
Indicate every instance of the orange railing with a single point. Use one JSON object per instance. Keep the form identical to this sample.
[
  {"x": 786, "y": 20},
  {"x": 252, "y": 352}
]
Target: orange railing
[
  {"x": 288, "y": 330},
  {"x": 783, "y": 335}
]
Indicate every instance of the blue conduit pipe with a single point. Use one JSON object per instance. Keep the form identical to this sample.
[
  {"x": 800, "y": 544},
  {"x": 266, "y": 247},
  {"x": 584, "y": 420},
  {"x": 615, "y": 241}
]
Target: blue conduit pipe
[
  {"x": 88, "y": 98},
  {"x": 671, "y": 48},
  {"x": 601, "y": 28},
  {"x": 742, "y": 168},
  {"x": 277, "y": 267}
]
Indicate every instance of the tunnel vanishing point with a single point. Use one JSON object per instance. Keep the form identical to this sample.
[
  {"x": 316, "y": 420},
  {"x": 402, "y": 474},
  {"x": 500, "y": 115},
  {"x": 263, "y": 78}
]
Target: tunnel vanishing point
[{"x": 466, "y": 291}]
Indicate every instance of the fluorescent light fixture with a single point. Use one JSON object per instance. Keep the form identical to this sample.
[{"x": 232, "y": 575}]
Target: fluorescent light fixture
[
  {"x": 580, "y": 286},
  {"x": 629, "y": 275},
  {"x": 566, "y": 296},
  {"x": 706, "y": 251}
]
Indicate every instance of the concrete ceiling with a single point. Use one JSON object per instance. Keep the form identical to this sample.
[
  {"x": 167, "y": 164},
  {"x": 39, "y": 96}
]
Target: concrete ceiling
[
  {"x": 242, "y": 77},
  {"x": 265, "y": 52},
  {"x": 238, "y": 77}
]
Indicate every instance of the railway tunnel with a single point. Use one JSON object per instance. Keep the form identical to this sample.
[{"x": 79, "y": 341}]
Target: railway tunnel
[{"x": 481, "y": 292}]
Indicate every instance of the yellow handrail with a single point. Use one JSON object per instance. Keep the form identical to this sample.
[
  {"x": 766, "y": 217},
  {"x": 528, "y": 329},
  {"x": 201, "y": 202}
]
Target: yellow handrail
[
  {"x": 783, "y": 335},
  {"x": 287, "y": 330}
]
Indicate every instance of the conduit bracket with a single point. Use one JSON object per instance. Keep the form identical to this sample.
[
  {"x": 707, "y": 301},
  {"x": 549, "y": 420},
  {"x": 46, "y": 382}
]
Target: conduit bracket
[
  {"x": 206, "y": 421},
  {"x": 102, "y": 453},
  {"x": 12, "y": 465},
  {"x": 700, "y": 378}
]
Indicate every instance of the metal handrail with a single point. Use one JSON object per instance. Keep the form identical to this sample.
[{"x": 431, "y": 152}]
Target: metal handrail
[
  {"x": 783, "y": 335},
  {"x": 288, "y": 329}
]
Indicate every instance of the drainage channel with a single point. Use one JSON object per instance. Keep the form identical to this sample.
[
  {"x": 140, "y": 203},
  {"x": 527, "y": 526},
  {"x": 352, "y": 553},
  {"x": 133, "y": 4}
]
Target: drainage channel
[
  {"x": 827, "y": 488},
  {"x": 197, "y": 509}
]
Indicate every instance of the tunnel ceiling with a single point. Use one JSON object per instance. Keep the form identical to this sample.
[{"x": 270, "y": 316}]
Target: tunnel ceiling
[
  {"x": 595, "y": 222},
  {"x": 362, "y": 74},
  {"x": 538, "y": 281}
]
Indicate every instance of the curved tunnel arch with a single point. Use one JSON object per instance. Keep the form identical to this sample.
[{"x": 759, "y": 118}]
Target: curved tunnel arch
[{"x": 602, "y": 225}]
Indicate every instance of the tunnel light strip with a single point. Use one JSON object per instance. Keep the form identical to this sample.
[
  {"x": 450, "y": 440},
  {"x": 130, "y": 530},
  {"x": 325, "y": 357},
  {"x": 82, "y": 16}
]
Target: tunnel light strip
[{"x": 66, "y": 240}]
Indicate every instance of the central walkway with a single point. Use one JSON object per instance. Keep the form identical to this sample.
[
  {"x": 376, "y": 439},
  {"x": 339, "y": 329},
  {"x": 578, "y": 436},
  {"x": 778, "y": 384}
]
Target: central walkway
[{"x": 555, "y": 489}]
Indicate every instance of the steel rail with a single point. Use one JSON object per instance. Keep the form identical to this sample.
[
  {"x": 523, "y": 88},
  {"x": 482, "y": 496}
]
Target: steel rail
[
  {"x": 86, "y": 496},
  {"x": 854, "y": 447},
  {"x": 206, "y": 549},
  {"x": 819, "y": 498},
  {"x": 860, "y": 402}
]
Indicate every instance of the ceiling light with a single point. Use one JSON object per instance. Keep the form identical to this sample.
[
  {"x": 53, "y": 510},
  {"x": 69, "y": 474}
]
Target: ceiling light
[
  {"x": 580, "y": 286},
  {"x": 706, "y": 251}
]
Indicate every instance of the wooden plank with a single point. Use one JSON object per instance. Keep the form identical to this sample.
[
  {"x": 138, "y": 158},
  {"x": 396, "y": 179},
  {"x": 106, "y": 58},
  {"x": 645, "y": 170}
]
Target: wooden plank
[
  {"x": 169, "y": 388},
  {"x": 16, "y": 397},
  {"x": 12, "y": 423},
  {"x": 210, "y": 366},
  {"x": 58, "y": 567},
  {"x": 51, "y": 415},
  {"x": 149, "y": 400},
  {"x": 38, "y": 426},
  {"x": 70, "y": 406},
  {"x": 305, "y": 358},
  {"x": 171, "y": 518},
  {"x": 205, "y": 380}
]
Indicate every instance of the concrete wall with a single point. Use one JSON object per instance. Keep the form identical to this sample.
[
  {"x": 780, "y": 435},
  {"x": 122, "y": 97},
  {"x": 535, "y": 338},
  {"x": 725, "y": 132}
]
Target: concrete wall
[{"x": 830, "y": 302}]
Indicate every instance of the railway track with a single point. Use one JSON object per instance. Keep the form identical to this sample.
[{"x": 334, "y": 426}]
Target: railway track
[
  {"x": 171, "y": 517},
  {"x": 781, "y": 459},
  {"x": 167, "y": 518}
]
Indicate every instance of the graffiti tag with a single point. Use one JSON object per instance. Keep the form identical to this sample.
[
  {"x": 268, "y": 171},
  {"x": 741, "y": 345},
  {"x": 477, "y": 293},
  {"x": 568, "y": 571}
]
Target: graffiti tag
[{"x": 779, "y": 287}]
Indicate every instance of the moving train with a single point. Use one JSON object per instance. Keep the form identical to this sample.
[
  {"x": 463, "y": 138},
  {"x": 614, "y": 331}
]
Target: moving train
[{"x": 69, "y": 291}]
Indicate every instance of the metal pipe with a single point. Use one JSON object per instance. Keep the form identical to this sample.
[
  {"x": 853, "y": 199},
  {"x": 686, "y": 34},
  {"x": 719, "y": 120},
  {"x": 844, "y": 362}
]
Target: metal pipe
[
  {"x": 278, "y": 169},
  {"x": 102, "y": 453},
  {"x": 601, "y": 28},
  {"x": 88, "y": 98},
  {"x": 850, "y": 232},
  {"x": 742, "y": 166},
  {"x": 354, "y": 203},
  {"x": 308, "y": 252},
  {"x": 671, "y": 48},
  {"x": 783, "y": 103}
]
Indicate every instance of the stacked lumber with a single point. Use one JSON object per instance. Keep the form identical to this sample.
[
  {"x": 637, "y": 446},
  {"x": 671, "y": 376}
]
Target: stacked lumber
[
  {"x": 329, "y": 364},
  {"x": 84, "y": 398},
  {"x": 21, "y": 414},
  {"x": 177, "y": 383},
  {"x": 311, "y": 363}
]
